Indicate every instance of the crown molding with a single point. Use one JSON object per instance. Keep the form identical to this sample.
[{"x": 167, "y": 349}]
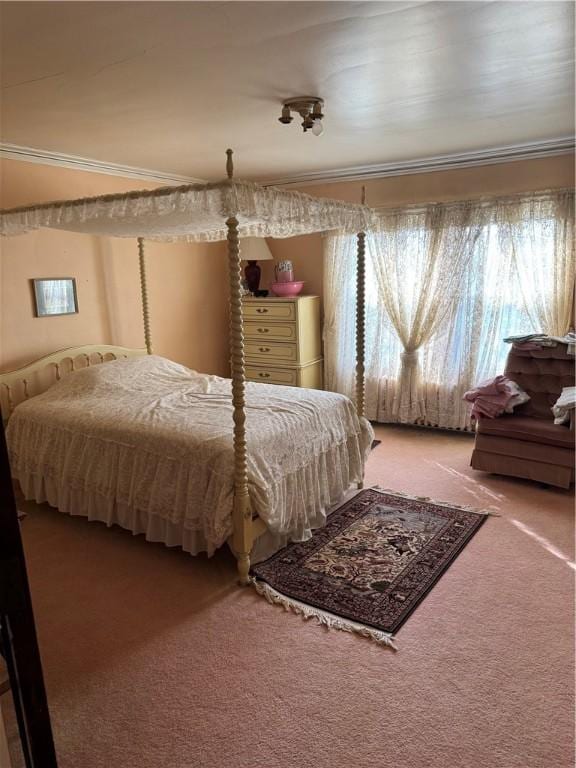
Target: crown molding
[
  {"x": 528, "y": 151},
  {"x": 548, "y": 148},
  {"x": 45, "y": 157}
]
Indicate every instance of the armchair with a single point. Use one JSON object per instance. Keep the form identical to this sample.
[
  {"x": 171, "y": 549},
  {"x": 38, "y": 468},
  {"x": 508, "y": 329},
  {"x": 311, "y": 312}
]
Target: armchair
[{"x": 527, "y": 443}]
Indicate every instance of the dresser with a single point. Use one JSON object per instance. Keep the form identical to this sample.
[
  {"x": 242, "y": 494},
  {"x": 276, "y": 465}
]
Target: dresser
[{"x": 283, "y": 341}]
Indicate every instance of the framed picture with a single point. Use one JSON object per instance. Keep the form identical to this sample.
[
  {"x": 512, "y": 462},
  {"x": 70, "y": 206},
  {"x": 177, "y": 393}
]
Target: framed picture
[{"x": 55, "y": 296}]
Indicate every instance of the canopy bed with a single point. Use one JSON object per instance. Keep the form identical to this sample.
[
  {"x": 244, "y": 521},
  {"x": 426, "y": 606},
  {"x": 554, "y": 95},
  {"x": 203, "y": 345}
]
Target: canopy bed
[{"x": 227, "y": 210}]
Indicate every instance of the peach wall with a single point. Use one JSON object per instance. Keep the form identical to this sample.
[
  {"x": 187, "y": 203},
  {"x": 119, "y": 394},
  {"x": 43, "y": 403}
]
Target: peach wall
[
  {"x": 188, "y": 284},
  {"x": 440, "y": 186}
]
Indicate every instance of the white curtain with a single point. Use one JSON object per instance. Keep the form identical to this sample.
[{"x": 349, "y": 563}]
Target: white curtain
[
  {"x": 420, "y": 259},
  {"x": 445, "y": 284},
  {"x": 339, "y": 329},
  {"x": 539, "y": 232}
]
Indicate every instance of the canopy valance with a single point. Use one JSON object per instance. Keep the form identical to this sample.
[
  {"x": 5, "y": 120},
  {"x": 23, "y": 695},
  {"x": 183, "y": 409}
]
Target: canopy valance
[{"x": 193, "y": 212}]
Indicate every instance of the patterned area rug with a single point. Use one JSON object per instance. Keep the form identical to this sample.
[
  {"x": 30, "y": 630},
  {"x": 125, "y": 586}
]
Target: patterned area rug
[{"x": 374, "y": 561}]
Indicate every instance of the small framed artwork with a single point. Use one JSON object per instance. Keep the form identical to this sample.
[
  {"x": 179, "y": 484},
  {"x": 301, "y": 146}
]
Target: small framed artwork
[{"x": 55, "y": 296}]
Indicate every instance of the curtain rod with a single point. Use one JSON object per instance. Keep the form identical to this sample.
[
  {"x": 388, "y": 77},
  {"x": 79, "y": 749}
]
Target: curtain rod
[{"x": 484, "y": 201}]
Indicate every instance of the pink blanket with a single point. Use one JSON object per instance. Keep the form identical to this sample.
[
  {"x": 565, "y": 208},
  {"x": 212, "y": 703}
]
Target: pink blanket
[{"x": 491, "y": 397}]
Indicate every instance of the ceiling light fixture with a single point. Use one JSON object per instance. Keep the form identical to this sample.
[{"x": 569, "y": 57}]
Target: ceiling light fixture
[{"x": 310, "y": 110}]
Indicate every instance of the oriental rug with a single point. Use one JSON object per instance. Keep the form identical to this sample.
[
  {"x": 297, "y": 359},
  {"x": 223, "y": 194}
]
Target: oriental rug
[{"x": 377, "y": 557}]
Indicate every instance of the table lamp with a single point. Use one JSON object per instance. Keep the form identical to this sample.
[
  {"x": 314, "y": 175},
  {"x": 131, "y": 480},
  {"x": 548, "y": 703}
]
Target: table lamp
[{"x": 252, "y": 250}]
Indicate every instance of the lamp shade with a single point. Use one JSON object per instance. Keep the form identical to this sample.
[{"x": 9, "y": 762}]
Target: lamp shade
[{"x": 254, "y": 249}]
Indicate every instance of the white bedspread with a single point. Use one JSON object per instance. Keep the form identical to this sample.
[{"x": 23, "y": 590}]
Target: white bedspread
[{"x": 154, "y": 439}]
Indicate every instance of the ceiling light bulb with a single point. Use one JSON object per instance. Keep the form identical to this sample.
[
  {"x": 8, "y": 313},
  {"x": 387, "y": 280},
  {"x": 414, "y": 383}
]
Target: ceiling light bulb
[
  {"x": 317, "y": 128},
  {"x": 286, "y": 117}
]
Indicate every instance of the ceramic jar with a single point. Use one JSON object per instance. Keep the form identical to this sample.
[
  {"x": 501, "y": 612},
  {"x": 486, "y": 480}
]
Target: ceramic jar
[{"x": 284, "y": 272}]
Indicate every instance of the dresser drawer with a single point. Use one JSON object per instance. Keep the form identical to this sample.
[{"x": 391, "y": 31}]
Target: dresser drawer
[
  {"x": 269, "y": 310},
  {"x": 282, "y": 353},
  {"x": 272, "y": 375},
  {"x": 264, "y": 330}
]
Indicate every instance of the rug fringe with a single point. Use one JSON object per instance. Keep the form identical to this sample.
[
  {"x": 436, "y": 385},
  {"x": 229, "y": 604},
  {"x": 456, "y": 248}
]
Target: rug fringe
[
  {"x": 449, "y": 504},
  {"x": 323, "y": 618}
]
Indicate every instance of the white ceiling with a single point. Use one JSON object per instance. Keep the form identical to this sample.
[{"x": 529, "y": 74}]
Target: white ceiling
[{"x": 169, "y": 85}]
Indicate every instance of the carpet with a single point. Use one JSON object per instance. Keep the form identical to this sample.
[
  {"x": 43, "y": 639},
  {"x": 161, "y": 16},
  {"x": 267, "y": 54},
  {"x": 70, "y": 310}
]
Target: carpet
[
  {"x": 150, "y": 655},
  {"x": 374, "y": 561}
]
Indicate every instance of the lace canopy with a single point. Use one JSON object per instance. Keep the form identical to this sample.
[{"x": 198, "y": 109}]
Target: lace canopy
[
  {"x": 228, "y": 210},
  {"x": 194, "y": 212}
]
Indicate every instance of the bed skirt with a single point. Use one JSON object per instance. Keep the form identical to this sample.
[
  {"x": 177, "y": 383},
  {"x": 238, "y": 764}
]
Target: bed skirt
[{"x": 154, "y": 528}]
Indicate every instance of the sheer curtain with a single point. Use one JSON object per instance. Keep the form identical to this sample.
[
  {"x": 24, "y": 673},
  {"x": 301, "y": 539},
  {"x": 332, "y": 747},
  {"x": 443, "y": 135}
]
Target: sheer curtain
[
  {"x": 420, "y": 259},
  {"x": 339, "y": 329},
  {"x": 539, "y": 232},
  {"x": 445, "y": 284}
]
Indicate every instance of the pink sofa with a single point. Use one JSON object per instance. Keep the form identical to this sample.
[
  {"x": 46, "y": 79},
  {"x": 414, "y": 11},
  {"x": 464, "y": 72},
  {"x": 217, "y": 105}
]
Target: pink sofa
[{"x": 527, "y": 443}]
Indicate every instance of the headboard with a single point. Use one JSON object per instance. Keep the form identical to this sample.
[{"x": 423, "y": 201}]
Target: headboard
[{"x": 36, "y": 377}]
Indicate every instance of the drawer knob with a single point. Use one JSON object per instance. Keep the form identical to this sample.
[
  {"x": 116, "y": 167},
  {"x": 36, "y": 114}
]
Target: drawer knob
[
  {"x": 262, "y": 310},
  {"x": 264, "y": 349},
  {"x": 263, "y": 330},
  {"x": 264, "y": 375}
]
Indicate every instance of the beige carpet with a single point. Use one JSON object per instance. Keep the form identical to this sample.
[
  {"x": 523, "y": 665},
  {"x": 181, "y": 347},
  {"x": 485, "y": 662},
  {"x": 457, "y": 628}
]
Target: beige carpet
[{"x": 154, "y": 659}]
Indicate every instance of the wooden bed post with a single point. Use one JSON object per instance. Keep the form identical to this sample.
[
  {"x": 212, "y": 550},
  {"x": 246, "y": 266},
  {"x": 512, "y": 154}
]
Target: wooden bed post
[
  {"x": 144, "y": 293},
  {"x": 360, "y": 320},
  {"x": 242, "y": 513}
]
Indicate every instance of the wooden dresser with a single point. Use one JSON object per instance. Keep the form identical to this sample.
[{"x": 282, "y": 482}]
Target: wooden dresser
[{"x": 283, "y": 341}]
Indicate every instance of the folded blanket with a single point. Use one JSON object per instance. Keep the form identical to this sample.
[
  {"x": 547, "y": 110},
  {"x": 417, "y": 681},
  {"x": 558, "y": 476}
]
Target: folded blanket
[
  {"x": 532, "y": 341},
  {"x": 565, "y": 403},
  {"x": 495, "y": 397}
]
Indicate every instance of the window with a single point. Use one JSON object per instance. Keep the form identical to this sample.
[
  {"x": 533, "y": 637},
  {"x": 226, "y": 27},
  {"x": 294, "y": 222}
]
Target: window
[{"x": 494, "y": 269}]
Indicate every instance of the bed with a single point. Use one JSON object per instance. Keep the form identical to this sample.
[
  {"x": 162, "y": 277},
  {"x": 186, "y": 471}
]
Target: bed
[
  {"x": 185, "y": 458},
  {"x": 148, "y": 444}
]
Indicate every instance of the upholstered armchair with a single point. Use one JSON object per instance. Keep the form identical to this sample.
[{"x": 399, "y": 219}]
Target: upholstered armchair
[{"x": 527, "y": 443}]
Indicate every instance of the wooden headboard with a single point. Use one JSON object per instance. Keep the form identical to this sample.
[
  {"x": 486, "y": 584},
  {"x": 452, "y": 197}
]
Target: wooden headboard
[{"x": 36, "y": 377}]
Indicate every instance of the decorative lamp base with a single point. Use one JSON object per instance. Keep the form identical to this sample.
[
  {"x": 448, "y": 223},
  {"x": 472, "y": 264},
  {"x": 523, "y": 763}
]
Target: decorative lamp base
[{"x": 252, "y": 275}]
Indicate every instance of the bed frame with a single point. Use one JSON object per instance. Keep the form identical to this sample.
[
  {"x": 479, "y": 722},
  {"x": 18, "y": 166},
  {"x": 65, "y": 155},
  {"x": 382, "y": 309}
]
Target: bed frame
[
  {"x": 36, "y": 377},
  {"x": 243, "y": 518}
]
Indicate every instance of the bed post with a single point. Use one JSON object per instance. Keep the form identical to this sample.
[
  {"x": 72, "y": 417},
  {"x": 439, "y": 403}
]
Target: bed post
[
  {"x": 360, "y": 320},
  {"x": 144, "y": 293},
  {"x": 242, "y": 513}
]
